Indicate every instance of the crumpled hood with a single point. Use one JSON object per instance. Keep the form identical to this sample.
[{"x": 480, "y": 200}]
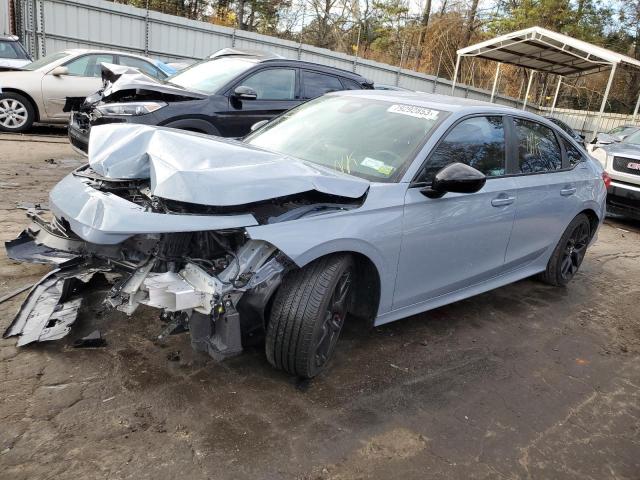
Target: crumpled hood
[
  {"x": 205, "y": 170},
  {"x": 622, "y": 149},
  {"x": 118, "y": 78}
]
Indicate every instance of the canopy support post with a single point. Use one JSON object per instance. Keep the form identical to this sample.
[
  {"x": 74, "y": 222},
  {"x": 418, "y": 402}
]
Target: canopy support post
[
  {"x": 455, "y": 76},
  {"x": 635, "y": 110},
  {"x": 526, "y": 95},
  {"x": 596, "y": 124},
  {"x": 495, "y": 83},
  {"x": 555, "y": 97}
]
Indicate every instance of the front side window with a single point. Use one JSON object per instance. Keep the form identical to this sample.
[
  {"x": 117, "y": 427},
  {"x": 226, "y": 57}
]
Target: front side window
[
  {"x": 88, "y": 65},
  {"x": 538, "y": 148},
  {"x": 273, "y": 83},
  {"x": 316, "y": 84},
  {"x": 477, "y": 141},
  {"x": 144, "y": 67},
  {"x": 364, "y": 137}
]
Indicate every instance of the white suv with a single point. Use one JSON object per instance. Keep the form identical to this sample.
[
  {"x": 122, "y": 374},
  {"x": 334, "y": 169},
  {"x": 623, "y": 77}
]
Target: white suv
[{"x": 621, "y": 161}]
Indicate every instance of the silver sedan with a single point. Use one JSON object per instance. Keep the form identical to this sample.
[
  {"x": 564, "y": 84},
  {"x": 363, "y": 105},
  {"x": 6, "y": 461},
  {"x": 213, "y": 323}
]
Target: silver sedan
[{"x": 379, "y": 204}]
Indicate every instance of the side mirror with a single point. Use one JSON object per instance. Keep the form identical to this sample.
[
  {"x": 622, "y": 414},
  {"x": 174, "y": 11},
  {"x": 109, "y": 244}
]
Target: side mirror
[
  {"x": 456, "y": 178},
  {"x": 245, "y": 93},
  {"x": 259, "y": 124},
  {"x": 58, "y": 71}
]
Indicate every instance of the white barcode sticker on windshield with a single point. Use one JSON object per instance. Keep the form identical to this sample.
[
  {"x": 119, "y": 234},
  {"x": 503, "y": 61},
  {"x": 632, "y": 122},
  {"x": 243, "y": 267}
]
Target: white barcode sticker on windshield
[{"x": 412, "y": 110}]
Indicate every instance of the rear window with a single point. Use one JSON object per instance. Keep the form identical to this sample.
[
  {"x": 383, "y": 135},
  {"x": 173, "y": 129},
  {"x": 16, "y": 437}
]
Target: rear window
[{"x": 12, "y": 50}]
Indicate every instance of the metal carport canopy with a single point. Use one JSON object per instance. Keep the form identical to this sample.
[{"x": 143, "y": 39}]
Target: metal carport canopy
[{"x": 543, "y": 50}]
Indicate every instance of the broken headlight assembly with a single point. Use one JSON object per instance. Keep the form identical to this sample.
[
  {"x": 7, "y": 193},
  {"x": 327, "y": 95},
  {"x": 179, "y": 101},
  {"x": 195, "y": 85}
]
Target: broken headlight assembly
[{"x": 130, "y": 108}]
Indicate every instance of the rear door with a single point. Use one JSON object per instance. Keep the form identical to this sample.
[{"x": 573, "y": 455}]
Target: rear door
[
  {"x": 84, "y": 78},
  {"x": 459, "y": 240},
  {"x": 549, "y": 181},
  {"x": 314, "y": 84},
  {"x": 277, "y": 90}
]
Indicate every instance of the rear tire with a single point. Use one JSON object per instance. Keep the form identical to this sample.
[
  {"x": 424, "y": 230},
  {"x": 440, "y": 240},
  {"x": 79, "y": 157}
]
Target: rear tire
[
  {"x": 307, "y": 315},
  {"x": 569, "y": 253},
  {"x": 16, "y": 113}
]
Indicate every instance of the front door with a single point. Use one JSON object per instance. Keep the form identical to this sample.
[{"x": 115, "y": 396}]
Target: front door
[
  {"x": 459, "y": 240},
  {"x": 277, "y": 93},
  {"x": 83, "y": 79}
]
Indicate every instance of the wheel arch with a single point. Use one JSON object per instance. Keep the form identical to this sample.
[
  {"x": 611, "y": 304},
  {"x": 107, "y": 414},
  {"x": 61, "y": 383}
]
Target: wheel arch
[
  {"x": 594, "y": 220},
  {"x": 368, "y": 282},
  {"x": 34, "y": 105}
]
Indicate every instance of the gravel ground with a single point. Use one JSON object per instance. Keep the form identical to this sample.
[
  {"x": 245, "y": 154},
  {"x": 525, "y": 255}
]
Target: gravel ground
[{"x": 526, "y": 381}]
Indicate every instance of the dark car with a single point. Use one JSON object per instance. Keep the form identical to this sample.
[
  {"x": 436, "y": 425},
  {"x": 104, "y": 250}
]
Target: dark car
[
  {"x": 570, "y": 131},
  {"x": 223, "y": 95}
]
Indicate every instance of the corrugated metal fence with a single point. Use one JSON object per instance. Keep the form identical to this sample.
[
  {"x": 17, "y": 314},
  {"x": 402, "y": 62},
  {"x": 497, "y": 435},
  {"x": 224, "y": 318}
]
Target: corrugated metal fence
[
  {"x": 50, "y": 25},
  {"x": 4, "y": 17}
]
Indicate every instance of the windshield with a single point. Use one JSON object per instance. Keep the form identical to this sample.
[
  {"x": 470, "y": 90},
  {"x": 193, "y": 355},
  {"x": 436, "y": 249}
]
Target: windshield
[
  {"x": 625, "y": 130},
  {"x": 368, "y": 138},
  {"x": 210, "y": 75},
  {"x": 54, "y": 57},
  {"x": 634, "y": 138}
]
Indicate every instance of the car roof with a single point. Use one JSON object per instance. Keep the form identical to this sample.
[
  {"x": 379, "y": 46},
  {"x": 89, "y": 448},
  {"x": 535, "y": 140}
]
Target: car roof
[
  {"x": 317, "y": 66},
  {"x": 260, "y": 56},
  {"x": 435, "y": 101},
  {"x": 9, "y": 38}
]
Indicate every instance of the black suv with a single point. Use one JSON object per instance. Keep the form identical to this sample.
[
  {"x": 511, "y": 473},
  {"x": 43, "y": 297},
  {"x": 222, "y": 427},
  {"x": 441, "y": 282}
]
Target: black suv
[{"x": 223, "y": 95}]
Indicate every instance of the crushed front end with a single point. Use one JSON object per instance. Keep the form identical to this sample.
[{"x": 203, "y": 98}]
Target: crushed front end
[
  {"x": 216, "y": 282},
  {"x": 164, "y": 217}
]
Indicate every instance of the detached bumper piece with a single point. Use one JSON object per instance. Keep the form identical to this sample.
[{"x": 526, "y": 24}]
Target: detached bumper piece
[
  {"x": 51, "y": 306},
  {"x": 221, "y": 298}
]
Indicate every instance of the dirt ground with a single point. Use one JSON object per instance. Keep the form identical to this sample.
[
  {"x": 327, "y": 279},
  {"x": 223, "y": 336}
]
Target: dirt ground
[{"x": 526, "y": 381}]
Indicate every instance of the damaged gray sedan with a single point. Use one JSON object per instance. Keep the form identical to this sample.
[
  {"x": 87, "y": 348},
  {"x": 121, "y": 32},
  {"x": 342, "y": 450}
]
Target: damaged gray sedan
[{"x": 378, "y": 204}]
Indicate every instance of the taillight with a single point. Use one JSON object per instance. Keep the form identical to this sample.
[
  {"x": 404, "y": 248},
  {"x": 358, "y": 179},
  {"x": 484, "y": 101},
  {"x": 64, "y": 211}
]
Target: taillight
[{"x": 606, "y": 179}]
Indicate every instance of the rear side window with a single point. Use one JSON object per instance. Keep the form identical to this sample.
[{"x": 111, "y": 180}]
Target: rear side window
[
  {"x": 573, "y": 154},
  {"x": 88, "y": 65},
  {"x": 477, "y": 141},
  {"x": 350, "y": 84},
  {"x": 538, "y": 148},
  {"x": 144, "y": 67},
  {"x": 273, "y": 84},
  {"x": 316, "y": 84}
]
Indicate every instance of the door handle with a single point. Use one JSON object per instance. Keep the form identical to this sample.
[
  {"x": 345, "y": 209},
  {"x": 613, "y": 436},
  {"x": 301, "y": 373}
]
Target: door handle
[
  {"x": 567, "y": 191},
  {"x": 502, "y": 201}
]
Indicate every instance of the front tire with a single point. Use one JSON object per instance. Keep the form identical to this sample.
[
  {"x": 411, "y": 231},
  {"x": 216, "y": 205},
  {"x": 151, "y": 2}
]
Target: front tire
[
  {"x": 16, "y": 113},
  {"x": 307, "y": 315},
  {"x": 569, "y": 253}
]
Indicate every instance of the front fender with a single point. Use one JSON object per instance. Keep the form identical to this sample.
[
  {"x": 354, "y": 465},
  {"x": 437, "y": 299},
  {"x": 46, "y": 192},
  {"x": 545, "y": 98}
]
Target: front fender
[{"x": 370, "y": 230}]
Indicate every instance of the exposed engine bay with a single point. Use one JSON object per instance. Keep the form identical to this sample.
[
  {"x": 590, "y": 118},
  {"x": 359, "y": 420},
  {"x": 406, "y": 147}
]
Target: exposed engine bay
[{"x": 170, "y": 234}]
